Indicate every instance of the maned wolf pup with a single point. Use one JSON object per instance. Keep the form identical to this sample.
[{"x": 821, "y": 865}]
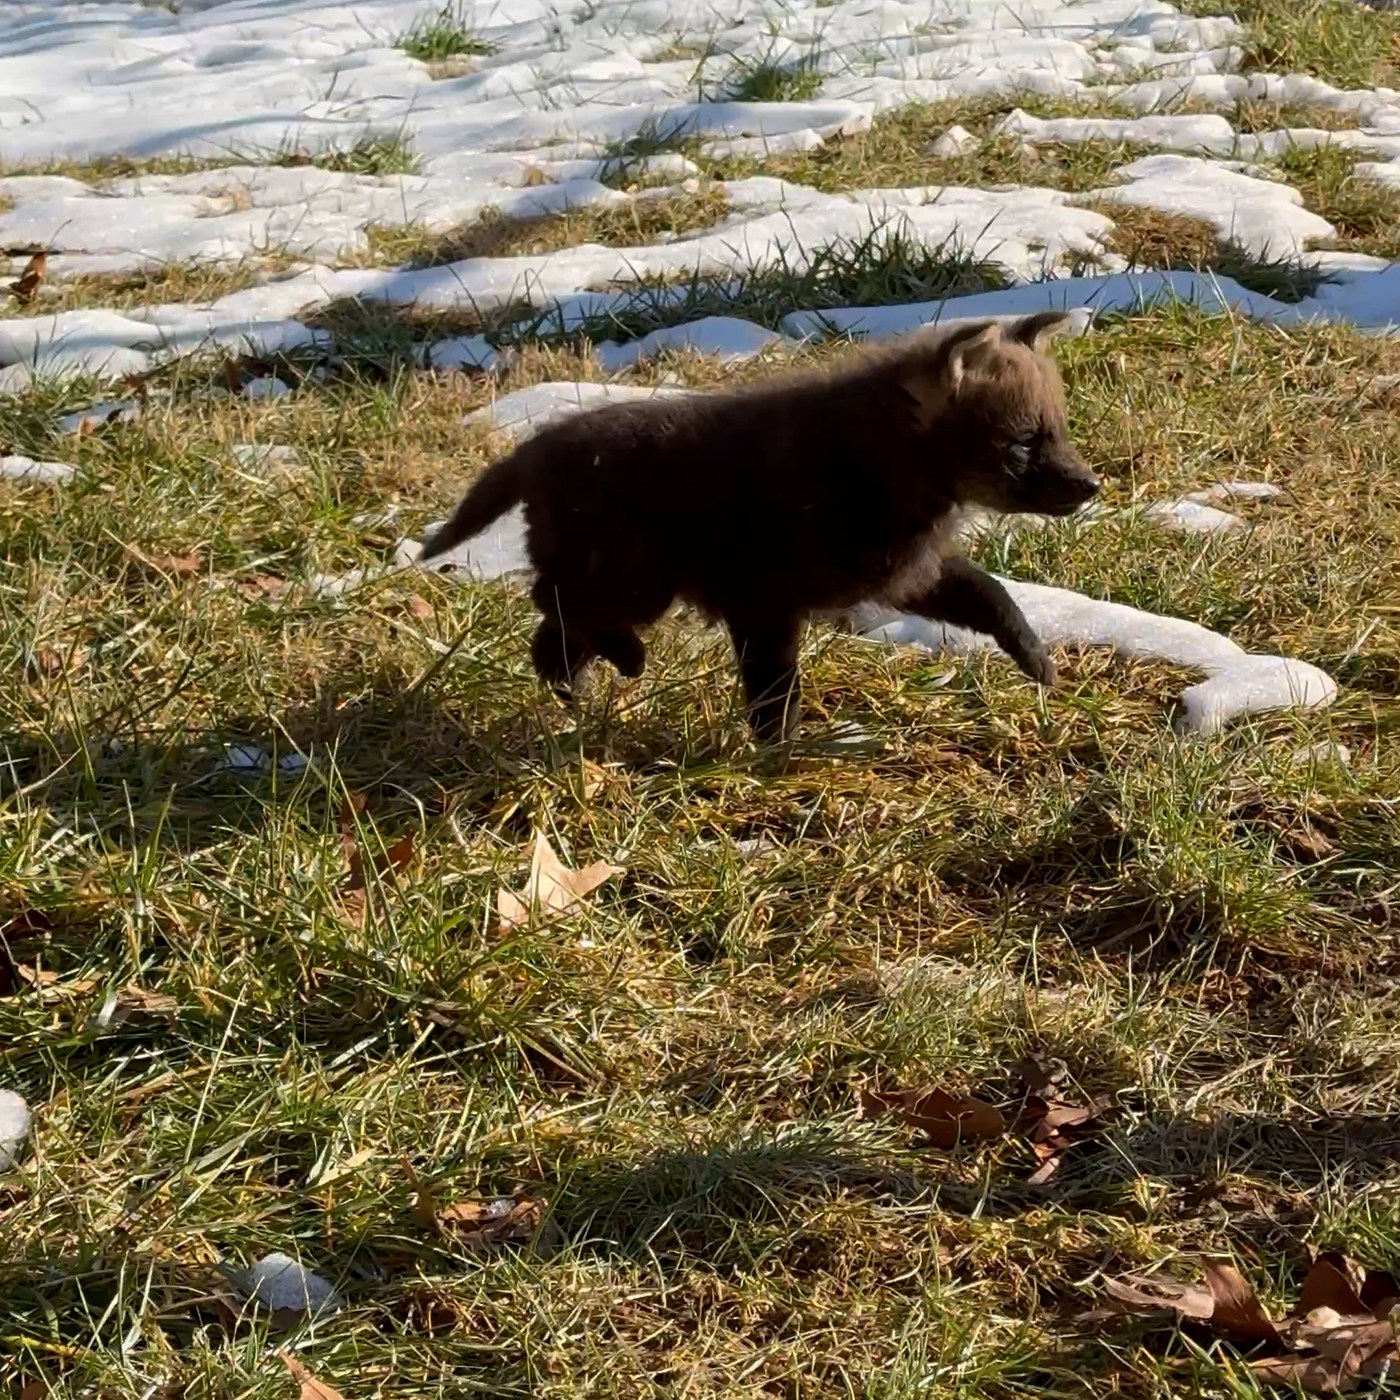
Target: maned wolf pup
[{"x": 768, "y": 505}]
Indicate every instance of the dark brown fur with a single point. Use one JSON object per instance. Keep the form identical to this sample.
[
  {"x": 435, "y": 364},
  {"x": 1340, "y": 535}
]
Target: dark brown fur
[{"x": 769, "y": 505}]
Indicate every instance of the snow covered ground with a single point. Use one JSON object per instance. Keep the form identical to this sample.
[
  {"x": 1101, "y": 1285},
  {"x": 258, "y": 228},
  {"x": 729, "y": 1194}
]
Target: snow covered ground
[{"x": 535, "y": 116}]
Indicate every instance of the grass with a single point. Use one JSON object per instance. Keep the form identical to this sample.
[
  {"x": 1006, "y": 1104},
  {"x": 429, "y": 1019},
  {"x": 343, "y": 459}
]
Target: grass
[
  {"x": 884, "y": 267},
  {"x": 1152, "y": 239},
  {"x": 768, "y": 80},
  {"x": 894, "y": 152},
  {"x": 677, "y": 1070},
  {"x": 373, "y": 153},
  {"x": 1365, "y": 213},
  {"x": 1345, "y": 44},
  {"x": 443, "y": 35},
  {"x": 639, "y": 221}
]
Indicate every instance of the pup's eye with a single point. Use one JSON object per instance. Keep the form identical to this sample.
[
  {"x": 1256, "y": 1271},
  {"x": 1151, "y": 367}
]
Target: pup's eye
[{"x": 1021, "y": 450}]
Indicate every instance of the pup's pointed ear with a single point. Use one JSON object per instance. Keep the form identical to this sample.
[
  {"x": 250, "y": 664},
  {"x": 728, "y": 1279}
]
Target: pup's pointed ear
[
  {"x": 935, "y": 378},
  {"x": 1039, "y": 330}
]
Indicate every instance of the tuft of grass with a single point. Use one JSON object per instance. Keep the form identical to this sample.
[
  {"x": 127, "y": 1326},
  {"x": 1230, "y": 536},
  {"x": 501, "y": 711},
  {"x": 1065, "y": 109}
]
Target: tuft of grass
[
  {"x": 678, "y": 1069},
  {"x": 169, "y": 282},
  {"x": 894, "y": 152},
  {"x": 884, "y": 267},
  {"x": 443, "y": 35},
  {"x": 767, "y": 80},
  {"x": 639, "y": 221},
  {"x": 1153, "y": 239},
  {"x": 1346, "y": 44},
  {"x": 1252, "y": 117},
  {"x": 1365, "y": 213},
  {"x": 375, "y": 153}
]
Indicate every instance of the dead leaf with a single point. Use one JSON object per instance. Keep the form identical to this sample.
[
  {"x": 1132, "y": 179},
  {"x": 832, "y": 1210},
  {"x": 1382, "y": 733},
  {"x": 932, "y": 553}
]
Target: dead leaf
[
  {"x": 535, "y": 176},
  {"x": 1237, "y": 1309},
  {"x": 386, "y": 865},
  {"x": 1354, "y": 1340},
  {"x": 1329, "y": 1285},
  {"x": 946, "y": 1119},
  {"x": 552, "y": 887},
  {"x": 34, "y": 1390},
  {"x": 45, "y": 982},
  {"x": 420, "y": 608},
  {"x": 481, "y": 1225},
  {"x": 47, "y": 662},
  {"x": 1315, "y": 1373},
  {"x": 1380, "y": 1292},
  {"x": 179, "y": 565},
  {"x": 29, "y": 280},
  {"x": 477, "y": 1224},
  {"x": 262, "y": 586},
  {"x": 1160, "y": 1293},
  {"x": 311, "y": 1388},
  {"x": 1041, "y": 1075},
  {"x": 1304, "y": 843}
]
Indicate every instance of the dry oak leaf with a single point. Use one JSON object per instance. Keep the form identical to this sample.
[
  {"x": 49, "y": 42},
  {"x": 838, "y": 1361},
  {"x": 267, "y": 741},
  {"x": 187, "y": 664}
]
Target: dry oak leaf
[
  {"x": 386, "y": 865},
  {"x": 311, "y": 1388},
  {"x": 946, "y": 1118},
  {"x": 420, "y": 608},
  {"x": 552, "y": 887},
  {"x": 30, "y": 278},
  {"x": 477, "y": 1224}
]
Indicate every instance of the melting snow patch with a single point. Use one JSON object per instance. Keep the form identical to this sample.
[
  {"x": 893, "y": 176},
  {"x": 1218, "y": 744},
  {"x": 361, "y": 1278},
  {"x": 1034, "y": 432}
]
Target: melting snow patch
[
  {"x": 17, "y": 468},
  {"x": 1237, "y": 683},
  {"x": 85, "y": 420},
  {"x": 15, "y": 1123},
  {"x": 727, "y": 338},
  {"x": 1261, "y": 216},
  {"x": 1190, "y": 517},
  {"x": 282, "y": 1284},
  {"x": 528, "y": 410}
]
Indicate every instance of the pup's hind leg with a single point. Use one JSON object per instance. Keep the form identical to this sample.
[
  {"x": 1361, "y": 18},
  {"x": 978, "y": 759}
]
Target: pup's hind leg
[
  {"x": 560, "y": 657},
  {"x": 766, "y": 648},
  {"x": 624, "y": 648},
  {"x": 967, "y": 596}
]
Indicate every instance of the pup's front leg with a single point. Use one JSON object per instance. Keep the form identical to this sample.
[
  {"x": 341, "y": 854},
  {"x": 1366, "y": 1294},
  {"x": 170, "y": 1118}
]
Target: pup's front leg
[
  {"x": 766, "y": 648},
  {"x": 966, "y": 596}
]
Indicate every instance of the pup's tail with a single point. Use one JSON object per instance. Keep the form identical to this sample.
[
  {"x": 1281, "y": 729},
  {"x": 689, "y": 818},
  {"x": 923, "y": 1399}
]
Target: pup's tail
[{"x": 494, "y": 494}]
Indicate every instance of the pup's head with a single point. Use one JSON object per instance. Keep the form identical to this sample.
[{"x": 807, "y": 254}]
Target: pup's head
[{"x": 993, "y": 395}]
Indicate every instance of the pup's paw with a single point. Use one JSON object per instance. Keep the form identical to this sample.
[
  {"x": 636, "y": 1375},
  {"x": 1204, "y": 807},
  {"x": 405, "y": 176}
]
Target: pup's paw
[{"x": 1039, "y": 667}]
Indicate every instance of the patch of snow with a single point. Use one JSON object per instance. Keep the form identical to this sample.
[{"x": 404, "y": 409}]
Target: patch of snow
[
  {"x": 15, "y": 1124},
  {"x": 281, "y": 1284},
  {"x": 1261, "y": 216},
  {"x": 727, "y": 338},
  {"x": 1237, "y": 682},
  {"x": 528, "y": 410},
  {"x": 19, "y": 468}
]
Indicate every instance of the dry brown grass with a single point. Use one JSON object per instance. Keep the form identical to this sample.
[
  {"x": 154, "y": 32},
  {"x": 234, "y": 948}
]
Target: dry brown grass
[{"x": 639, "y": 221}]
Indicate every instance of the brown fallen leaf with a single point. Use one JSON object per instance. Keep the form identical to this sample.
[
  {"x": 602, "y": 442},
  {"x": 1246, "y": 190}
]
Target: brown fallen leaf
[
  {"x": 1161, "y": 1293},
  {"x": 311, "y": 1388},
  {"x": 1354, "y": 1340},
  {"x": 1329, "y": 1284},
  {"x": 477, "y": 1224},
  {"x": 946, "y": 1119},
  {"x": 1315, "y": 1373},
  {"x": 34, "y": 270},
  {"x": 386, "y": 865},
  {"x": 262, "y": 586},
  {"x": 420, "y": 608},
  {"x": 552, "y": 887},
  {"x": 480, "y": 1225},
  {"x": 178, "y": 565},
  {"x": 1237, "y": 1309},
  {"x": 34, "y": 1390},
  {"x": 1041, "y": 1075}
]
